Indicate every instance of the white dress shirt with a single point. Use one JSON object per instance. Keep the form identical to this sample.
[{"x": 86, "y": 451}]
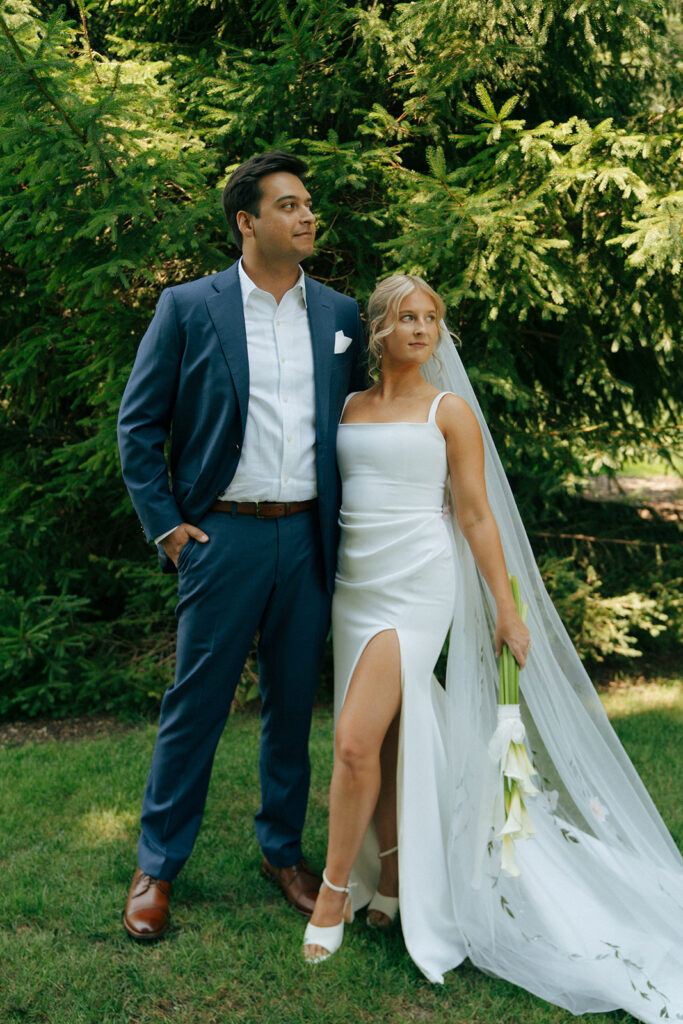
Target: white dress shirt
[{"x": 277, "y": 461}]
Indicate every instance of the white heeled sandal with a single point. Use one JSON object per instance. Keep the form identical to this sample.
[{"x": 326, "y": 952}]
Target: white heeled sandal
[
  {"x": 387, "y": 905},
  {"x": 329, "y": 938}
]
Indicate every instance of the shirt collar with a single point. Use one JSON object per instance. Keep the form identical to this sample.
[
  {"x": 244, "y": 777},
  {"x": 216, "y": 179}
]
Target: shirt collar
[{"x": 247, "y": 286}]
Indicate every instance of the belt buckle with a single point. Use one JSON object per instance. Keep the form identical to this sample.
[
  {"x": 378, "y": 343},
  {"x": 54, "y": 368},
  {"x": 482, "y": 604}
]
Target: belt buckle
[{"x": 266, "y": 513}]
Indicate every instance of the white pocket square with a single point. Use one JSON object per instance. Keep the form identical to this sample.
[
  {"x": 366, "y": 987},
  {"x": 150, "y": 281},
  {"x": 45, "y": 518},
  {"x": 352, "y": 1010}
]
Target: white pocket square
[{"x": 341, "y": 342}]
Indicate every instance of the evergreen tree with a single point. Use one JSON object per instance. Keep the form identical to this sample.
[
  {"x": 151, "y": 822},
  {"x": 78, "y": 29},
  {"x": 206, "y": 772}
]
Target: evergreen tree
[{"x": 524, "y": 158}]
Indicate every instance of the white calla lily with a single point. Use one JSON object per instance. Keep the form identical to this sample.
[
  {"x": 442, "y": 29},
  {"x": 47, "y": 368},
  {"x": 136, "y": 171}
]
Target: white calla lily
[
  {"x": 508, "y": 862},
  {"x": 518, "y": 766}
]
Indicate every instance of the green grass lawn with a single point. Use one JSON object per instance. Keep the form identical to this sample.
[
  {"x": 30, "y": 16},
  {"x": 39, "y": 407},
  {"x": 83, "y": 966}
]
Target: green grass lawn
[
  {"x": 653, "y": 467},
  {"x": 67, "y": 850}
]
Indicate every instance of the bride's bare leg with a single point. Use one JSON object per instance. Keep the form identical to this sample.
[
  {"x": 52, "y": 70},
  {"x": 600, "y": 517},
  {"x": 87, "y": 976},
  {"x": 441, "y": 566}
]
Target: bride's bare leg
[
  {"x": 373, "y": 701},
  {"x": 385, "y": 821}
]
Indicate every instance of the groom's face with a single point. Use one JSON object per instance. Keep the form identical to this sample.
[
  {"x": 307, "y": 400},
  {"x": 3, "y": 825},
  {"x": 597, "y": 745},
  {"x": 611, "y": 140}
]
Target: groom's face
[{"x": 285, "y": 227}]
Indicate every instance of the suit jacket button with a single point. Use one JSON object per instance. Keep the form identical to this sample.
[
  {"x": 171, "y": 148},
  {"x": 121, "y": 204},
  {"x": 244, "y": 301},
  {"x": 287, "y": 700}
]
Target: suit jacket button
[{"x": 237, "y": 446}]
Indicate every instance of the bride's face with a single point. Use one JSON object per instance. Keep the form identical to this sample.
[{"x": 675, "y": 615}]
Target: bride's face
[{"x": 415, "y": 335}]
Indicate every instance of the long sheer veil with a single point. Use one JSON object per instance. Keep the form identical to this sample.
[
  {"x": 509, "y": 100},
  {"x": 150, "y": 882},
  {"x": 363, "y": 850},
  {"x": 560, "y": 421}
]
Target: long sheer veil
[{"x": 600, "y": 896}]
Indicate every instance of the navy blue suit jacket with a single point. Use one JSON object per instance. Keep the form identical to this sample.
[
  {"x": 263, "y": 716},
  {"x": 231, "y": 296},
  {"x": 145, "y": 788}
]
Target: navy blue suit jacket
[{"x": 191, "y": 379}]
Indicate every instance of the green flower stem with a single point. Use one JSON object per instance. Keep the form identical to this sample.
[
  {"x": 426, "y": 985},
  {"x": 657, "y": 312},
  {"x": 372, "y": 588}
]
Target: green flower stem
[{"x": 508, "y": 670}]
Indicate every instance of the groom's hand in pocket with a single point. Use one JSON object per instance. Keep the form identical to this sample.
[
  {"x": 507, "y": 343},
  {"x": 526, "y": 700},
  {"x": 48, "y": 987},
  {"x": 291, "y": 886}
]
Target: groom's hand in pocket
[{"x": 176, "y": 541}]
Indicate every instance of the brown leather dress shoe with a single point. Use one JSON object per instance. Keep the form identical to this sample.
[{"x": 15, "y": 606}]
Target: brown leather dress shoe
[
  {"x": 300, "y": 884},
  {"x": 147, "y": 915}
]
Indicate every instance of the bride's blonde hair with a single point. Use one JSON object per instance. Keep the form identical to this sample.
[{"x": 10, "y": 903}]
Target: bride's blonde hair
[{"x": 383, "y": 306}]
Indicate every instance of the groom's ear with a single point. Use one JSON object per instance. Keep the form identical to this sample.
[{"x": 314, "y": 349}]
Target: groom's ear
[{"x": 245, "y": 223}]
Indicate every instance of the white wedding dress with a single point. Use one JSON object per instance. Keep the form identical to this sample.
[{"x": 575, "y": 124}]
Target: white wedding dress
[{"x": 595, "y": 921}]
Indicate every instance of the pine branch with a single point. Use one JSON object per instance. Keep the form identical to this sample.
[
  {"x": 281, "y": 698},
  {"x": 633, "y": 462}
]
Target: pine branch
[
  {"x": 81, "y": 136},
  {"x": 87, "y": 40}
]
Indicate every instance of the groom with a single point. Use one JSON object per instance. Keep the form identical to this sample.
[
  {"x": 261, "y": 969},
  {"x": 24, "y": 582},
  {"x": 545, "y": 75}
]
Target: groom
[{"x": 247, "y": 370}]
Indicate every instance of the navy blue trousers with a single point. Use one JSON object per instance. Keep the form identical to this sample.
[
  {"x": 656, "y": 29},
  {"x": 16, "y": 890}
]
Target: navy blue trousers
[{"x": 253, "y": 574}]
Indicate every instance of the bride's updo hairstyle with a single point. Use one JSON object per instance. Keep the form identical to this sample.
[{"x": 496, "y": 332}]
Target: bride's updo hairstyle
[{"x": 383, "y": 306}]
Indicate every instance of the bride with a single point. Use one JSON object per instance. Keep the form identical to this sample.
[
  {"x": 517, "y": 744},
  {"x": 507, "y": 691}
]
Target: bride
[{"x": 594, "y": 919}]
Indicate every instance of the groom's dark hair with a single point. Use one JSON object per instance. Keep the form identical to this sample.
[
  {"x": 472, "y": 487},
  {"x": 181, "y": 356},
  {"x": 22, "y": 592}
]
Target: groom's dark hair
[{"x": 243, "y": 189}]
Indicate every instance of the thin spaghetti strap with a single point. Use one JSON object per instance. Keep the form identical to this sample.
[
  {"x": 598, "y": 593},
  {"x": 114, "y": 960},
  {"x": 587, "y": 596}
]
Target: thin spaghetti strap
[
  {"x": 346, "y": 400},
  {"x": 435, "y": 405}
]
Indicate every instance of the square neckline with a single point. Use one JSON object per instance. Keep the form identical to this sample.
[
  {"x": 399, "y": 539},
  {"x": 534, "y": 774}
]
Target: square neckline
[{"x": 431, "y": 416}]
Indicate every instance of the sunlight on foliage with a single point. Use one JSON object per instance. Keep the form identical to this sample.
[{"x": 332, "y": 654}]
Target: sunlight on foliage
[{"x": 528, "y": 163}]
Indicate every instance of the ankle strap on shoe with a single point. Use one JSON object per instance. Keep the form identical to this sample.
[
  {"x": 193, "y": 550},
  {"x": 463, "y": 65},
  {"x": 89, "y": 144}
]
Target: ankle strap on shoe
[
  {"x": 385, "y": 853},
  {"x": 335, "y": 888}
]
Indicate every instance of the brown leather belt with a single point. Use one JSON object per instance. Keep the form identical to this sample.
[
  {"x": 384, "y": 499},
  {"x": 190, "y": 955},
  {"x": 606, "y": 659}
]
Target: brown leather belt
[{"x": 262, "y": 509}]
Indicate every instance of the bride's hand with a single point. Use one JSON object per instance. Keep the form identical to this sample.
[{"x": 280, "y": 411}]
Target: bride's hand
[{"x": 511, "y": 630}]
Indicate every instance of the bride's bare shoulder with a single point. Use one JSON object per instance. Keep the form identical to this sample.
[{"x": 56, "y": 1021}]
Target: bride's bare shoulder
[
  {"x": 453, "y": 405},
  {"x": 456, "y": 416},
  {"x": 356, "y": 402}
]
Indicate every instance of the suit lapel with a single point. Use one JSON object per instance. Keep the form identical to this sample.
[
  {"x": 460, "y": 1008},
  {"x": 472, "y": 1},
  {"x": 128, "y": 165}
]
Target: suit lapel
[
  {"x": 321, "y": 320},
  {"x": 227, "y": 313}
]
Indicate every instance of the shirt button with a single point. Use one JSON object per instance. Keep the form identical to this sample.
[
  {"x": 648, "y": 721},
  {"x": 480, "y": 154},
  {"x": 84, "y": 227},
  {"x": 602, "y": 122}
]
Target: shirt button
[
  {"x": 286, "y": 479},
  {"x": 283, "y": 360},
  {"x": 289, "y": 437},
  {"x": 277, "y": 323},
  {"x": 285, "y": 399}
]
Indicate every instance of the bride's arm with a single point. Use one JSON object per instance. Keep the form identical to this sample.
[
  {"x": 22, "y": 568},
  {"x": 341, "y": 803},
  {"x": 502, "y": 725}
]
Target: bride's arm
[{"x": 465, "y": 452}]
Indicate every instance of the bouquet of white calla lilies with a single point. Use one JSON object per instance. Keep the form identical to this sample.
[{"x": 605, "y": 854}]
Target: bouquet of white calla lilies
[{"x": 508, "y": 751}]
